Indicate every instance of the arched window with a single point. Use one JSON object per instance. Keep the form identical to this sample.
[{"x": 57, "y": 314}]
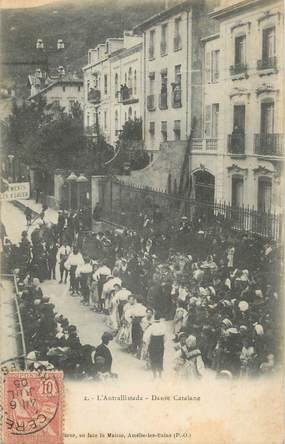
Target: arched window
[
  {"x": 116, "y": 84},
  {"x": 130, "y": 112},
  {"x": 135, "y": 82},
  {"x": 130, "y": 78}
]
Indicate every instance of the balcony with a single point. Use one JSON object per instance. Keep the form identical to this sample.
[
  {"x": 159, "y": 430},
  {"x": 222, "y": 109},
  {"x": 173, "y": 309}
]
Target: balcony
[
  {"x": 176, "y": 98},
  {"x": 90, "y": 130},
  {"x": 150, "y": 102},
  {"x": 236, "y": 144},
  {"x": 267, "y": 63},
  {"x": 177, "y": 43},
  {"x": 163, "y": 100},
  {"x": 268, "y": 144},
  {"x": 239, "y": 70},
  {"x": 94, "y": 96},
  {"x": 126, "y": 96},
  {"x": 204, "y": 144}
]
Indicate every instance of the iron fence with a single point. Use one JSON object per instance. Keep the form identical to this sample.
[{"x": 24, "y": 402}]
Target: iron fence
[{"x": 130, "y": 206}]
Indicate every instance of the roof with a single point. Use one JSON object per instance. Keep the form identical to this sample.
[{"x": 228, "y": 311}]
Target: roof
[
  {"x": 63, "y": 81},
  {"x": 234, "y": 6},
  {"x": 166, "y": 13}
]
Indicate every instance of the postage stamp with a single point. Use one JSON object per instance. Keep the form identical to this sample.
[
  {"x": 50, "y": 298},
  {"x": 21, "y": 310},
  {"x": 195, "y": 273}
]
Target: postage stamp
[{"x": 33, "y": 408}]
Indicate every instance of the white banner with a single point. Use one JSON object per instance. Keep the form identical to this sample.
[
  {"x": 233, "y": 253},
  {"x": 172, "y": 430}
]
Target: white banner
[{"x": 17, "y": 191}]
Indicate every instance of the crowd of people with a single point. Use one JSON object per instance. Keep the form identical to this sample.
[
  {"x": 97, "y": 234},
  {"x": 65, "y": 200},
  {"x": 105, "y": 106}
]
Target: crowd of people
[{"x": 218, "y": 290}]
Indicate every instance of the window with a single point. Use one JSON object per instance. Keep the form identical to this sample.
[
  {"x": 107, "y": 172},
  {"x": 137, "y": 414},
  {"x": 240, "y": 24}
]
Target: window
[
  {"x": 267, "y": 118},
  {"x": 63, "y": 88},
  {"x": 177, "y": 129},
  {"x": 126, "y": 78},
  {"x": 177, "y": 74},
  {"x": 105, "y": 84},
  {"x": 116, "y": 120},
  {"x": 236, "y": 140},
  {"x": 240, "y": 58},
  {"x": 211, "y": 122},
  {"x": 105, "y": 119},
  {"x": 135, "y": 115},
  {"x": 151, "y": 49},
  {"x": 164, "y": 131},
  {"x": 239, "y": 118},
  {"x": 152, "y": 128},
  {"x": 78, "y": 88},
  {"x": 88, "y": 86},
  {"x": 151, "y": 82},
  {"x": 135, "y": 82},
  {"x": 163, "y": 89},
  {"x": 88, "y": 120},
  {"x": 177, "y": 35},
  {"x": 116, "y": 84},
  {"x": 237, "y": 191},
  {"x": 215, "y": 119},
  {"x": 164, "y": 39},
  {"x": 126, "y": 118},
  {"x": 130, "y": 113},
  {"x": 268, "y": 43},
  {"x": 212, "y": 66},
  {"x": 130, "y": 79},
  {"x": 56, "y": 103},
  {"x": 264, "y": 194}
]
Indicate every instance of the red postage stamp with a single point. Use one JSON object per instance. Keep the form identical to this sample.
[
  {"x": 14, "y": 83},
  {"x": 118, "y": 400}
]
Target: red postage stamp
[{"x": 33, "y": 408}]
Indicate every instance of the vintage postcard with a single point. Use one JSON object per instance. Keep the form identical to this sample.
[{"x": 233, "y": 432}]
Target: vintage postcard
[{"x": 142, "y": 224}]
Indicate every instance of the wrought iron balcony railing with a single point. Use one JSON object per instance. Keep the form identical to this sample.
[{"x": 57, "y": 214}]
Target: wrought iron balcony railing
[
  {"x": 267, "y": 63},
  {"x": 94, "y": 96},
  {"x": 176, "y": 98},
  {"x": 238, "y": 68},
  {"x": 269, "y": 144},
  {"x": 236, "y": 143}
]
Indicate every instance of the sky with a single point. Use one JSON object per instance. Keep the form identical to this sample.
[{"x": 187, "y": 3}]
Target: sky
[{"x": 24, "y": 3}]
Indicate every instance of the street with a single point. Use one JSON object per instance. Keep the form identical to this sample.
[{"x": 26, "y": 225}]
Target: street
[{"x": 90, "y": 325}]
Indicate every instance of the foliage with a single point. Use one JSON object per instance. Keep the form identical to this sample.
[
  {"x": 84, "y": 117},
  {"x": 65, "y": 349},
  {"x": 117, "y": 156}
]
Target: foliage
[
  {"x": 130, "y": 152},
  {"x": 46, "y": 137}
]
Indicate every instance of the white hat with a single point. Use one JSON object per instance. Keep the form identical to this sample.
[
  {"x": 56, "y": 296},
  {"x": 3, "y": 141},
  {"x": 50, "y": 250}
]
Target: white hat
[
  {"x": 259, "y": 329},
  {"x": 243, "y": 306}
]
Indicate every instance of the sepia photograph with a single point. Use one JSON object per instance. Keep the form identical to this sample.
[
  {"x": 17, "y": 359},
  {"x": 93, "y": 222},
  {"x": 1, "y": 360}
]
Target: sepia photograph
[{"x": 142, "y": 226}]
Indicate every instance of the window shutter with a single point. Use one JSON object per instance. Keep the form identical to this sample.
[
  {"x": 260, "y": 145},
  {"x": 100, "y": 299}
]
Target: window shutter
[
  {"x": 208, "y": 66},
  {"x": 208, "y": 121}
]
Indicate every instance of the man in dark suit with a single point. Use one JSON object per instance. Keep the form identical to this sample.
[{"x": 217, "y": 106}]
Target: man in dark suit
[{"x": 103, "y": 351}]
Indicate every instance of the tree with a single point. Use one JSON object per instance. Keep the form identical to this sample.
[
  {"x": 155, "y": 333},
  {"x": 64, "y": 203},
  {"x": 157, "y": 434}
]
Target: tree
[
  {"x": 46, "y": 137},
  {"x": 130, "y": 152}
]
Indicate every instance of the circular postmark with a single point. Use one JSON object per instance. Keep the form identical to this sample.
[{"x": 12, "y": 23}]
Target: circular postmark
[{"x": 31, "y": 401}]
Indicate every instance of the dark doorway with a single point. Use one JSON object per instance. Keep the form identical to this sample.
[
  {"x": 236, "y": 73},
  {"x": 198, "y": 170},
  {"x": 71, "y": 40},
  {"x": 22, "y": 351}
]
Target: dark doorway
[{"x": 204, "y": 185}]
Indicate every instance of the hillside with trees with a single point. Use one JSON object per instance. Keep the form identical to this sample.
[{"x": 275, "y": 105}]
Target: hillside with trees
[{"x": 81, "y": 25}]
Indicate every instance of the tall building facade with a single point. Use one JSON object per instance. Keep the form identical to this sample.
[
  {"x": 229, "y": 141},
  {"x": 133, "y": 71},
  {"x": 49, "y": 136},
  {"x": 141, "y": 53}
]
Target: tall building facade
[
  {"x": 173, "y": 72},
  {"x": 113, "y": 86},
  {"x": 243, "y": 103}
]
